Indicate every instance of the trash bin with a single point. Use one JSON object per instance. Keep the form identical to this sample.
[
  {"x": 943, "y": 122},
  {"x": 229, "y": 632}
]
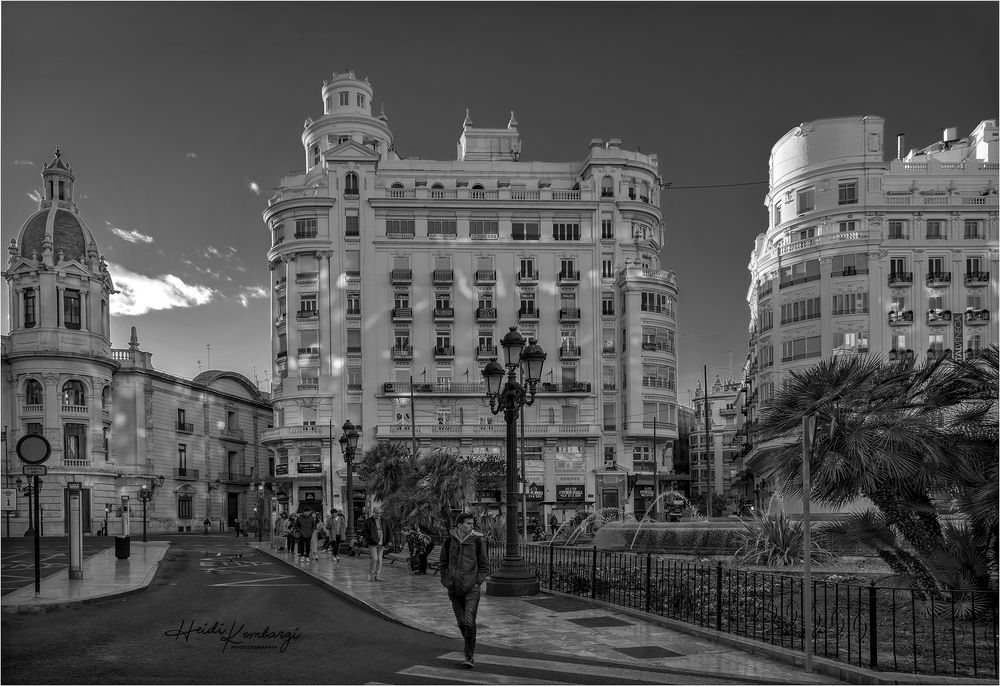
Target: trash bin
[{"x": 122, "y": 547}]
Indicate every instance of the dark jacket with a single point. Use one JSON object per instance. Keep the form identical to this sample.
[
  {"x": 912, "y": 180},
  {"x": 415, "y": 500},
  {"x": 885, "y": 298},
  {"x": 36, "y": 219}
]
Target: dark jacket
[
  {"x": 370, "y": 531},
  {"x": 464, "y": 562},
  {"x": 305, "y": 525}
]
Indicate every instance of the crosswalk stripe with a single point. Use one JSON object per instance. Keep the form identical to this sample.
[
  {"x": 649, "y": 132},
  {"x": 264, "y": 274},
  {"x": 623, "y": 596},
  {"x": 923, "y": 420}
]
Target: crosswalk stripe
[
  {"x": 470, "y": 676},
  {"x": 613, "y": 673}
]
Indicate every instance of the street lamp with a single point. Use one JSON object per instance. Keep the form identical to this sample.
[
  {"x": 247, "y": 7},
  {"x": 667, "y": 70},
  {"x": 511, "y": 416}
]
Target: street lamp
[
  {"x": 513, "y": 578},
  {"x": 28, "y": 491},
  {"x": 145, "y": 495},
  {"x": 348, "y": 444}
]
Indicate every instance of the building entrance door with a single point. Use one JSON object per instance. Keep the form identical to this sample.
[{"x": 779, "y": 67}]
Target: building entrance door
[{"x": 232, "y": 509}]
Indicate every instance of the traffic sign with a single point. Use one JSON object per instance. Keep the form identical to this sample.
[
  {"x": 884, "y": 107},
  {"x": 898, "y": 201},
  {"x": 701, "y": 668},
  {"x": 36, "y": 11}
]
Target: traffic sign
[
  {"x": 33, "y": 448},
  {"x": 34, "y": 470},
  {"x": 9, "y": 496}
]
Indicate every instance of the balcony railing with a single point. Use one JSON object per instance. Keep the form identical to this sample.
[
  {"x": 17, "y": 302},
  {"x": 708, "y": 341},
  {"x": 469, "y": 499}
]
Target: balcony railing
[
  {"x": 900, "y": 278},
  {"x": 444, "y": 351},
  {"x": 905, "y": 317},
  {"x": 185, "y": 427},
  {"x": 486, "y": 352},
  {"x": 32, "y": 409},
  {"x": 402, "y": 353},
  {"x": 280, "y": 283},
  {"x": 401, "y": 276},
  {"x": 402, "y": 313},
  {"x": 444, "y": 276},
  {"x": 977, "y": 317},
  {"x": 977, "y": 278},
  {"x": 310, "y": 432},
  {"x": 564, "y": 387},
  {"x": 569, "y": 276},
  {"x": 938, "y": 316},
  {"x": 525, "y": 315},
  {"x": 309, "y": 353},
  {"x": 441, "y": 313},
  {"x": 485, "y": 430},
  {"x": 569, "y": 352},
  {"x": 235, "y": 477},
  {"x": 938, "y": 278},
  {"x": 569, "y": 314},
  {"x": 185, "y": 473},
  {"x": 307, "y": 314},
  {"x": 609, "y": 385},
  {"x": 608, "y": 349},
  {"x": 486, "y": 276},
  {"x": 306, "y": 277},
  {"x": 527, "y": 277},
  {"x": 74, "y": 409},
  {"x": 486, "y": 313},
  {"x": 308, "y": 386}
]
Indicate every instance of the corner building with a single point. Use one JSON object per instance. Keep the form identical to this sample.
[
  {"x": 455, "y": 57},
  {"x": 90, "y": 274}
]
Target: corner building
[
  {"x": 866, "y": 255},
  {"x": 394, "y": 280}
]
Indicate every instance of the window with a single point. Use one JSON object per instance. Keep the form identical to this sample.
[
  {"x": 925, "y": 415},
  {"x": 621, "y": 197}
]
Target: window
[
  {"x": 353, "y": 303},
  {"x": 305, "y": 228},
  {"x": 361, "y": 100},
  {"x": 351, "y": 184},
  {"x": 30, "y": 313},
  {"x": 442, "y": 340},
  {"x": 185, "y": 509},
  {"x": 401, "y": 299},
  {"x": 607, "y": 303},
  {"x": 33, "y": 392},
  {"x": 607, "y": 187},
  {"x": 344, "y": 98},
  {"x": 766, "y": 318},
  {"x": 800, "y": 348},
  {"x": 278, "y": 234},
  {"x": 897, "y": 229},
  {"x": 850, "y": 264},
  {"x": 850, "y": 303},
  {"x": 566, "y": 231},
  {"x": 401, "y": 339},
  {"x": 527, "y": 302},
  {"x": 800, "y": 310},
  {"x": 847, "y": 192},
  {"x": 806, "y": 200},
  {"x": 73, "y": 394},
  {"x": 935, "y": 229},
  {"x": 75, "y": 442},
  {"x": 315, "y": 153},
  {"x": 442, "y": 227},
  {"x": 847, "y": 227},
  {"x": 607, "y": 229},
  {"x": 766, "y": 356},
  {"x": 527, "y": 269},
  {"x": 607, "y": 269},
  {"x": 354, "y": 378},
  {"x": 897, "y": 265},
  {"x": 182, "y": 456},
  {"x": 803, "y": 234},
  {"x": 484, "y": 228},
  {"x": 777, "y": 213},
  {"x": 71, "y": 308},
  {"x": 974, "y": 301},
  {"x": 485, "y": 340},
  {"x": 653, "y": 302},
  {"x": 524, "y": 231},
  {"x": 442, "y": 300},
  {"x": 399, "y": 228},
  {"x": 935, "y": 266},
  {"x": 33, "y": 428},
  {"x": 935, "y": 342},
  {"x": 485, "y": 297},
  {"x": 307, "y": 304},
  {"x": 800, "y": 272},
  {"x": 352, "y": 226},
  {"x": 973, "y": 229}
]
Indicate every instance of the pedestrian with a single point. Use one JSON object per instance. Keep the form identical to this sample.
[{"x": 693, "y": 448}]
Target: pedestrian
[
  {"x": 280, "y": 524},
  {"x": 338, "y": 524},
  {"x": 377, "y": 535},
  {"x": 314, "y": 539},
  {"x": 206, "y": 526},
  {"x": 304, "y": 527},
  {"x": 236, "y": 526},
  {"x": 464, "y": 565},
  {"x": 553, "y": 523},
  {"x": 290, "y": 537}
]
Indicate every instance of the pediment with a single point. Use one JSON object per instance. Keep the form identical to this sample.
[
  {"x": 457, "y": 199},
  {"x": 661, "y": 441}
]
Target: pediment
[{"x": 350, "y": 151}]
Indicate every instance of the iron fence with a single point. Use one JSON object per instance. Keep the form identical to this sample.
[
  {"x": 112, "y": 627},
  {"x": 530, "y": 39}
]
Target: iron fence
[{"x": 881, "y": 628}]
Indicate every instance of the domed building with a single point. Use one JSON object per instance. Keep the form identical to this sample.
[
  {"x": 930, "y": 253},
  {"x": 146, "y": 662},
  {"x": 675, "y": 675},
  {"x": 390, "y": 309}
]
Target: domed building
[{"x": 113, "y": 422}]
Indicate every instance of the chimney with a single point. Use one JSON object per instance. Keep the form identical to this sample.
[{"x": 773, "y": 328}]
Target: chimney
[{"x": 900, "y": 145}]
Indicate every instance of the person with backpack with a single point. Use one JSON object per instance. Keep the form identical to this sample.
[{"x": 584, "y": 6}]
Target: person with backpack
[{"x": 464, "y": 566}]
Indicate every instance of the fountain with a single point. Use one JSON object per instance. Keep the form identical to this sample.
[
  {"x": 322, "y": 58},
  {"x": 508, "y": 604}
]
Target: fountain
[
  {"x": 688, "y": 507},
  {"x": 599, "y": 518}
]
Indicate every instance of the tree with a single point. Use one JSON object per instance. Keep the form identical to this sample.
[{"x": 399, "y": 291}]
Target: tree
[{"x": 902, "y": 435}]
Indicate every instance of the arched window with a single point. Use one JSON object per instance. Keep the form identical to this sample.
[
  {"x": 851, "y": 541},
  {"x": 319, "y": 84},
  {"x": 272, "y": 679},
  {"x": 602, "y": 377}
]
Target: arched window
[
  {"x": 33, "y": 392},
  {"x": 437, "y": 187},
  {"x": 477, "y": 187},
  {"x": 73, "y": 393},
  {"x": 315, "y": 153},
  {"x": 397, "y": 186},
  {"x": 644, "y": 195},
  {"x": 607, "y": 187},
  {"x": 106, "y": 398},
  {"x": 351, "y": 184}
]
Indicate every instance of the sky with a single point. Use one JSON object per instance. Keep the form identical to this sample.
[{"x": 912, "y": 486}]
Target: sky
[{"x": 179, "y": 119}]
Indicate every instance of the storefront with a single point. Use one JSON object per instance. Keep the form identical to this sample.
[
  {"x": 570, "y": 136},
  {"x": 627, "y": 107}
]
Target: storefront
[{"x": 610, "y": 490}]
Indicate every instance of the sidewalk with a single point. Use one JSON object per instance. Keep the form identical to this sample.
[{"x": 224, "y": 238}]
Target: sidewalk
[
  {"x": 547, "y": 623},
  {"x": 104, "y": 576}
]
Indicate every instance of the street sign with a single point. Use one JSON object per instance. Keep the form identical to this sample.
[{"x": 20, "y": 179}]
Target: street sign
[
  {"x": 33, "y": 448},
  {"x": 9, "y": 497},
  {"x": 34, "y": 470}
]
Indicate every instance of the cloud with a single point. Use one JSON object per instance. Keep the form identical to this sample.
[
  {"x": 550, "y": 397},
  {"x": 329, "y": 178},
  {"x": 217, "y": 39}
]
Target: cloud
[
  {"x": 141, "y": 294},
  {"x": 23, "y": 163},
  {"x": 227, "y": 254},
  {"x": 35, "y": 195},
  {"x": 252, "y": 292},
  {"x": 252, "y": 185},
  {"x": 192, "y": 155},
  {"x": 207, "y": 272},
  {"x": 130, "y": 235}
]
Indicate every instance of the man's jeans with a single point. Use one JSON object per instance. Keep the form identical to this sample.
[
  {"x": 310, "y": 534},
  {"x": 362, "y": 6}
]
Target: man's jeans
[{"x": 465, "y": 608}]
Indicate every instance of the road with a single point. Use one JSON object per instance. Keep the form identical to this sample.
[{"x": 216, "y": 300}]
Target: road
[
  {"x": 219, "y": 612},
  {"x": 18, "y": 558}
]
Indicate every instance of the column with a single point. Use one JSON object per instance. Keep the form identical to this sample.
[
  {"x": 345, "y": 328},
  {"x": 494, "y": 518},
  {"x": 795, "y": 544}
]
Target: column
[
  {"x": 326, "y": 315},
  {"x": 825, "y": 303}
]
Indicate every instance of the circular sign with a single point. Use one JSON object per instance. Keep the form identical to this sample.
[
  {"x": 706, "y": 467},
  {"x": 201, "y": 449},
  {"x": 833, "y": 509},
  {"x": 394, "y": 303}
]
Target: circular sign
[{"x": 33, "y": 449}]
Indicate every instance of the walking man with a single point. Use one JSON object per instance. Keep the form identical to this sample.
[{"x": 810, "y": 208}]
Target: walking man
[
  {"x": 465, "y": 564},
  {"x": 377, "y": 534},
  {"x": 335, "y": 530}
]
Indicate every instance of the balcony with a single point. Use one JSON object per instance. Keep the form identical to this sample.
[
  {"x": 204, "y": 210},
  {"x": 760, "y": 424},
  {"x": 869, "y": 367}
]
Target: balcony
[
  {"x": 32, "y": 409},
  {"x": 352, "y": 274},
  {"x": 568, "y": 277},
  {"x": 235, "y": 477},
  {"x": 280, "y": 283},
  {"x": 849, "y": 271},
  {"x": 185, "y": 427},
  {"x": 497, "y": 430},
  {"x": 486, "y": 276},
  {"x": 442, "y": 314},
  {"x": 444, "y": 352},
  {"x": 608, "y": 349},
  {"x": 900, "y": 318},
  {"x": 354, "y": 350},
  {"x": 527, "y": 278},
  {"x": 569, "y": 352},
  {"x": 565, "y": 387},
  {"x": 485, "y": 352},
  {"x": 609, "y": 386},
  {"x": 938, "y": 317},
  {"x": 901, "y": 279},
  {"x": 233, "y": 433},
  {"x": 401, "y": 276},
  {"x": 569, "y": 314},
  {"x": 353, "y": 313},
  {"x": 280, "y": 319},
  {"x": 309, "y": 353},
  {"x": 185, "y": 473},
  {"x": 528, "y": 315},
  {"x": 977, "y": 317},
  {"x": 304, "y": 315},
  {"x": 727, "y": 412},
  {"x": 306, "y": 278},
  {"x": 74, "y": 409},
  {"x": 486, "y": 314},
  {"x": 937, "y": 279},
  {"x": 292, "y": 432},
  {"x": 443, "y": 276},
  {"x": 402, "y": 314},
  {"x": 307, "y": 386},
  {"x": 975, "y": 279},
  {"x": 402, "y": 353}
]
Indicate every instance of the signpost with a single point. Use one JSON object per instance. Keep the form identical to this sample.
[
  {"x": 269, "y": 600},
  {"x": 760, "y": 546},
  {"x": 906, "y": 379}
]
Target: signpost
[
  {"x": 9, "y": 504},
  {"x": 75, "y": 514},
  {"x": 33, "y": 450}
]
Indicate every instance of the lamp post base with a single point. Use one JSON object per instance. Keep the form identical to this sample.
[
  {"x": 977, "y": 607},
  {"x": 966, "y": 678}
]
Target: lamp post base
[{"x": 513, "y": 579}]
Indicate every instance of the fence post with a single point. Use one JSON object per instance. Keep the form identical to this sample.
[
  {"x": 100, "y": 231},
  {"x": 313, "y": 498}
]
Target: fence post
[
  {"x": 718, "y": 595},
  {"x": 872, "y": 626},
  {"x": 593, "y": 574},
  {"x": 649, "y": 563},
  {"x": 552, "y": 552}
]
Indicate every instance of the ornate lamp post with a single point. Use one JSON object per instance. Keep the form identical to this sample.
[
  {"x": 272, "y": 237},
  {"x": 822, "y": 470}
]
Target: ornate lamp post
[
  {"x": 348, "y": 444},
  {"x": 29, "y": 491},
  {"x": 513, "y": 578},
  {"x": 145, "y": 495}
]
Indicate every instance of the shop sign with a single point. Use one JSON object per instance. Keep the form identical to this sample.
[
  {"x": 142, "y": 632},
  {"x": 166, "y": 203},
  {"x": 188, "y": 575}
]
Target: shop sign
[
  {"x": 646, "y": 492},
  {"x": 535, "y": 492},
  {"x": 310, "y": 468},
  {"x": 491, "y": 496},
  {"x": 566, "y": 492}
]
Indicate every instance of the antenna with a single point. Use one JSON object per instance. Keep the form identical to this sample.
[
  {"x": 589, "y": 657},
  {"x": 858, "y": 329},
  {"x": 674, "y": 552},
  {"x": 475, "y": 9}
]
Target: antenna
[
  {"x": 199, "y": 365},
  {"x": 208, "y": 362}
]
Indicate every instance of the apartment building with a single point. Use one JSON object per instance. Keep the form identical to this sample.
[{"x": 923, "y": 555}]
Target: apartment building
[{"x": 394, "y": 280}]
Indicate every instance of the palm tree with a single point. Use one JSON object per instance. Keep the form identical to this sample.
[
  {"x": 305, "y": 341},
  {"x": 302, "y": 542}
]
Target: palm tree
[{"x": 898, "y": 434}]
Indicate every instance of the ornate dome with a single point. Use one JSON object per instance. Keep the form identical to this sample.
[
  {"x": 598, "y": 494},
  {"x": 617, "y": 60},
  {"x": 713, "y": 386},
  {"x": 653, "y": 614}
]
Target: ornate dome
[{"x": 63, "y": 228}]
